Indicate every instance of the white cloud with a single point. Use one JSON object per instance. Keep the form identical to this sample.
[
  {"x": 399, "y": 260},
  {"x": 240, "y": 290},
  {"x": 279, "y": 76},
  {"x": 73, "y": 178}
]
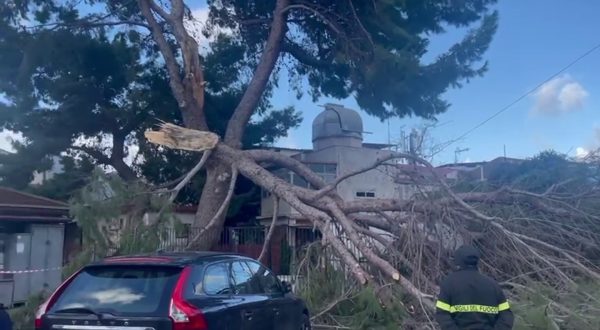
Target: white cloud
[{"x": 560, "y": 95}]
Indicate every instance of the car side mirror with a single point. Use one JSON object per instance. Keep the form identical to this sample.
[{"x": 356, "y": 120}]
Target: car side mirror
[{"x": 287, "y": 287}]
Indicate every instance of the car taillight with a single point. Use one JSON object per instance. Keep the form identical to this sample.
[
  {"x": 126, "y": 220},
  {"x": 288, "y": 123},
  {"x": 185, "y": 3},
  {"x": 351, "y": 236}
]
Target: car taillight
[
  {"x": 39, "y": 314},
  {"x": 184, "y": 315},
  {"x": 43, "y": 308}
]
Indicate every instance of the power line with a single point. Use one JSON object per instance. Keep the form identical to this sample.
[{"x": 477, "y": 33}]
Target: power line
[{"x": 520, "y": 98}]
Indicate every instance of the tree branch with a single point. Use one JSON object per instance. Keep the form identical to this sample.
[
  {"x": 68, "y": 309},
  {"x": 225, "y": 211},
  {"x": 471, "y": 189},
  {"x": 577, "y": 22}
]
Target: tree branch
[
  {"x": 263, "y": 253},
  {"x": 362, "y": 27},
  {"x": 325, "y": 20},
  {"x": 303, "y": 56},
  {"x": 159, "y": 10},
  {"x": 90, "y": 24},
  {"x": 260, "y": 78},
  {"x": 170, "y": 61},
  {"x": 375, "y": 259},
  {"x": 287, "y": 162},
  {"x": 118, "y": 164},
  {"x": 178, "y": 9},
  {"x": 189, "y": 176},
  {"x": 98, "y": 155}
]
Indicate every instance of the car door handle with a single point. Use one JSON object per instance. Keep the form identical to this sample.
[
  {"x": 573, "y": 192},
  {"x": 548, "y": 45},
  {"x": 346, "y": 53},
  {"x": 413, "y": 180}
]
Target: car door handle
[
  {"x": 276, "y": 310},
  {"x": 248, "y": 314}
]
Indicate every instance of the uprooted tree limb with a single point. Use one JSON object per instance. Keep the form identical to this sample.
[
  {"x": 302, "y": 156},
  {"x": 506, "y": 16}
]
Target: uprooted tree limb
[{"x": 523, "y": 235}]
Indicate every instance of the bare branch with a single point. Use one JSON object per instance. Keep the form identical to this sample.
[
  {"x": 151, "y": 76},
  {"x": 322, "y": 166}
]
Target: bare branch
[
  {"x": 263, "y": 253},
  {"x": 88, "y": 24},
  {"x": 189, "y": 176},
  {"x": 260, "y": 78},
  {"x": 159, "y": 10},
  {"x": 360, "y": 24},
  {"x": 178, "y": 9},
  {"x": 288, "y": 162},
  {"x": 188, "y": 88},
  {"x": 175, "y": 81}
]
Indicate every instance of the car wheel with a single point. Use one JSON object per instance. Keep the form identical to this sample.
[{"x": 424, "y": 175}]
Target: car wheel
[{"x": 305, "y": 322}]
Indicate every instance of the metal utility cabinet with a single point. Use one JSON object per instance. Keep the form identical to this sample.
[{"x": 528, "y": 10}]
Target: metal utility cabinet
[{"x": 32, "y": 235}]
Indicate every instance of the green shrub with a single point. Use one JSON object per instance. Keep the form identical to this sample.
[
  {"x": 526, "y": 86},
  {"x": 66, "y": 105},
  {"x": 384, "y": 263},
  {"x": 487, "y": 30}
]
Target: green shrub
[{"x": 23, "y": 317}]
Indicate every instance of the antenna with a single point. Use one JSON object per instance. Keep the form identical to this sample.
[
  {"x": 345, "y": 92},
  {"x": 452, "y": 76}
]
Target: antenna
[
  {"x": 457, "y": 152},
  {"x": 389, "y": 137}
]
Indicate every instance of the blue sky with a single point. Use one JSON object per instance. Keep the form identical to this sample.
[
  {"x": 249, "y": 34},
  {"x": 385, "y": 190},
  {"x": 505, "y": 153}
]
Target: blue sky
[{"x": 535, "y": 39}]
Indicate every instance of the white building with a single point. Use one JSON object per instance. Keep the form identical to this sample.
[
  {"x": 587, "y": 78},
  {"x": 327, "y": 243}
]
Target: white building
[{"x": 338, "y": 148}]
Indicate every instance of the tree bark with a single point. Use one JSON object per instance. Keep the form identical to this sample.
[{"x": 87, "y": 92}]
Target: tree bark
[
  {"x": 260, "y": 78},
  {"x": 214, "y": 191},
  {"x": 213, "y": 195},
  {"x": 267, "y": 243}
]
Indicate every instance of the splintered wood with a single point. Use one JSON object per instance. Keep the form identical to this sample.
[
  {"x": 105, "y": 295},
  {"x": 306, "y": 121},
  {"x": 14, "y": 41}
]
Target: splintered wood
[{"x": 177, "y": 137}]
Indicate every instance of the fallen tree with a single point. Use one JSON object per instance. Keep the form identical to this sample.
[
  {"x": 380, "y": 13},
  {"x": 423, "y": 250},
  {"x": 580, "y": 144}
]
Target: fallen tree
[
  {"x": 545, "y": 237},
  {"x": 342, "y": 48},
  {"x": 372, "y": 51}
]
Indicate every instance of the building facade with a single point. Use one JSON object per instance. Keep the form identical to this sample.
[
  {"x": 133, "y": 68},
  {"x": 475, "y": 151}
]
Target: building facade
[{"x": 338, "y": 149}]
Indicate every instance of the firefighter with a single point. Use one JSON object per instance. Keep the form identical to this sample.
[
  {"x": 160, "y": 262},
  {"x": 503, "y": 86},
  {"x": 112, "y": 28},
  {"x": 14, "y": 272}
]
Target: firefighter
[{"x": 469, "y": 300}]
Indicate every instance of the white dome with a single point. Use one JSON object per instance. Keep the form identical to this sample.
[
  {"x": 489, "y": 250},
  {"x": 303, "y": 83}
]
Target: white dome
[{"x": 337, "y": 123}]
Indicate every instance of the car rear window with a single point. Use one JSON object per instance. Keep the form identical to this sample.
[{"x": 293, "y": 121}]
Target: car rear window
[{"x": 120, "y": 290}]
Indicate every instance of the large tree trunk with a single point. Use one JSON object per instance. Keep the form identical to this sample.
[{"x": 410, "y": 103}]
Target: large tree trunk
[
  {"x": 186, "y": 80},
  {"x": 214, "y": 194}
]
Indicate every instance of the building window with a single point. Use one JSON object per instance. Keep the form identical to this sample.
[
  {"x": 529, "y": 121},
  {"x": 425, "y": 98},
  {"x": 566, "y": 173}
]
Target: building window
[
  {"x": 326, "y": 171},
  {"x": 298, "y": 180},
  {"x": 365, "y": 194}
]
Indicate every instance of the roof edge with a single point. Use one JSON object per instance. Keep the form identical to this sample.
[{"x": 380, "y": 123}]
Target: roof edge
[{"x": 37, "y": 197}]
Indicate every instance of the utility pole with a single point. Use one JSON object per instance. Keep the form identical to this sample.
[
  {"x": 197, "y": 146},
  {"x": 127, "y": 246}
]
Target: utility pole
[
  {"x": 402, "y": 140},
  {"x": 413, "y": 145},
  {"x": 457, "y": 152},
  {"x": 389, "y": 133}
]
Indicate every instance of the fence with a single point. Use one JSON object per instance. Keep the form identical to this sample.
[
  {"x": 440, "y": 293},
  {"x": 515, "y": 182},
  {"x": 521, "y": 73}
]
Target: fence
[{"x": 284, "y": 249}]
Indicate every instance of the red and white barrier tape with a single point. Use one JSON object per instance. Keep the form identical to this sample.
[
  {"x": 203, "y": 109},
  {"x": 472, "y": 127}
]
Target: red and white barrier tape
[{"x": 29, "y": 271}]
